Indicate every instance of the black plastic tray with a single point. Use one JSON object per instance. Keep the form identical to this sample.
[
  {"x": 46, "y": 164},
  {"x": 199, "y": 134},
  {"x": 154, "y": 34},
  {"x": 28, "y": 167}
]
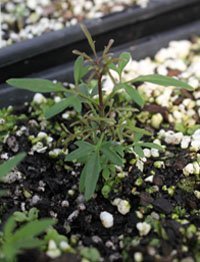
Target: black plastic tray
[
  {"x": 139, "y": 50},
  {"x": 55, "y": 48}
]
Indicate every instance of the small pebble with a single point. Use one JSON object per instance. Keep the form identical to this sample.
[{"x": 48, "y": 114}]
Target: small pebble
[
  {"x": 107, "y": 219},
  {"x": 143, "y": 228}
]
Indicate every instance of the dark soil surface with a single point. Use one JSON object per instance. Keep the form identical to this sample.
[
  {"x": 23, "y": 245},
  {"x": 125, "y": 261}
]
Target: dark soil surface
[{"x": 49, "y": 184}]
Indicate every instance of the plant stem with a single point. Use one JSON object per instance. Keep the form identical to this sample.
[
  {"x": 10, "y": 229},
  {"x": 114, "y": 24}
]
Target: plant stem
[{"x": 112, "y": 78}]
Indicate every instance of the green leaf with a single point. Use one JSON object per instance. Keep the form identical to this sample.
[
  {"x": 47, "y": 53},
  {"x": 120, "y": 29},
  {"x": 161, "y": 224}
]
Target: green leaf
[
  {"x": 118, "y": 148},
  {"x": 113, "y": 67},
  {"x": 52, "y": 234},
  {"x": 89, "y": 38},
  {"x": 8, "y": 228},
  {"x": 106, "y": 173},
  {"x": 90, "y": 254},
  {"x": 84, "y": 148},
  {"x": 137, "y": 137},
  {"x": 23, "y": 238},
  {"x": 124, "y": 58},
  {"x": 163, "y": 81},
  {"x": 7, "y": 166},
  {"x": 106, "y": 191},
  {"x": 111, "y": 155},
  {"x": 71, "y": 101},
  {"x": 36, "y": 85},
  {"x": 192, "y": 129},
  {"x": 93, "y": 168},
  {"x": 83, "y": 88},
  {"x": 20, "y": 216},
  {"x": 180, "y": 127},
  {"x": 80, "y": 70},
  {"x": 138, "y": 150},
  {"x": 26, "y": 216},
  {"x": 32, "y": 229},
  {"x": 107, "y": 48},
  {"x": 33, "y": 213},
  {"x": 82, "y": 179},
  {"x": 29, "y": 243},
  {"x": 138, "y": 130},
  {"x": 134, "y": 94},
  {"x": 94, "y": 91}
]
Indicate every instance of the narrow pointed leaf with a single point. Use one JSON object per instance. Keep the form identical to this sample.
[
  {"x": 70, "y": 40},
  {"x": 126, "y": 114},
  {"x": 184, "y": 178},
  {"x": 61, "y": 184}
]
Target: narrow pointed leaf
[
  {"x": 85, "y": 144},
  {"x": 119, "y": 149},
  {"x": 36, "y": 85},
  {"x": 7, "y": 166},
  {"x": 27, "y": 244},
  {"x": 134, "y": 94},
  {"x": 138, "y": 150},
  {"x": 163, "y": 81},
  {"x": 82, "y": 179},
  {"x": 83, "y": 88},
  {"x": 112, "y": 156},
  {"x": 124, "y": 58},
  {"x": 93, "y": 168},
  {"x": 94, "y": 91},
  {"x": 137, "y": 137},
  {"x": 76, "y": 103},
  {"x": 139, "y": 130},
  {"x": 113, "y": 67},
  {"x": 106, "y": 173},
  {"x": 89, "y": 38},
  {"x": 107, "y": 48},
  {"x": 33, "y": 228},
  {"x": 8, "y": 228},
  {"x": 80, "y": 70},
  {"x": 57, "y": 108},
  {"x": 83, "y": 150},
  {"x": 30, "y": 243}
]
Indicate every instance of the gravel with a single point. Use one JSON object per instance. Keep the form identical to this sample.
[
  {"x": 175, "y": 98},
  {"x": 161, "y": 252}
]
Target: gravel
[{"x": 25, "y": 19}]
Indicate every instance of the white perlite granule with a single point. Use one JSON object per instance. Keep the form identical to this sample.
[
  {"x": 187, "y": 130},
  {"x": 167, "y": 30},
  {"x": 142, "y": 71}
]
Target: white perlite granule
[{"x": 35, "y": 17}]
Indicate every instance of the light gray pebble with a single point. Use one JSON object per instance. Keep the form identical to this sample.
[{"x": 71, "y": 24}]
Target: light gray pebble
[
  {"x": 109, "y": 244},
  {"x": 96, "y": 239},
  {"x": 81, "y": 207},
  {"x": 53, "y": 214},
  {"x": 115, "y": 257},
  {"x": 73, "y": 215},
  {"x": 65, "y": 203},
  {"x": 34, "y": 200},
  {"x": 12, "y": 177}
]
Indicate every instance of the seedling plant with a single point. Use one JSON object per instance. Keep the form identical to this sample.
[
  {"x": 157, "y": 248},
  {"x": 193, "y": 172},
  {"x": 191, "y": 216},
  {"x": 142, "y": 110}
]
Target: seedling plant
[{"x": 104, "y": 133}]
